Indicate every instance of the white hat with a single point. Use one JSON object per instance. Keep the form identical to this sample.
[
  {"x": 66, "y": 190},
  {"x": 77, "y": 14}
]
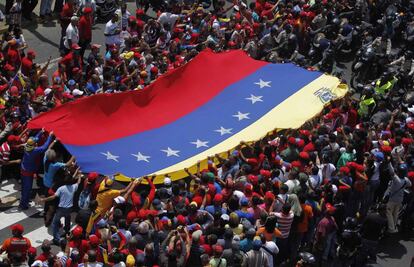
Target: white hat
[
  {"x": 38, "y": 263},
  {"x": 411, "y": 109},
  {"x": 119, "y": 200},
  {"x": 167, "y": 181},
  {"x": 225, "y": 217},
  {"x": 48, "y": 91},
  {"x": 77, "y": 92}
]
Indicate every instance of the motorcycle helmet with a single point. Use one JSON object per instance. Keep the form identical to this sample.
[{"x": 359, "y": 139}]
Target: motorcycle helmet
[
  {"x": 351, "y": 223},
  {"x": 307, "y": 258},
  {"x": 368, "y": 91},
  {"x": 402, "y": 170}
]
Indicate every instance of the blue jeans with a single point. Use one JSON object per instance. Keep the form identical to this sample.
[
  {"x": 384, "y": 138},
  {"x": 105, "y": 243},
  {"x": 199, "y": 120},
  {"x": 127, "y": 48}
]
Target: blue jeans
[
  {"x": 61, "y": 212},
  {"x": 27, "y": 184},
  {"x": 45, "y": 7},
  {"x": 329, "y": 249}
]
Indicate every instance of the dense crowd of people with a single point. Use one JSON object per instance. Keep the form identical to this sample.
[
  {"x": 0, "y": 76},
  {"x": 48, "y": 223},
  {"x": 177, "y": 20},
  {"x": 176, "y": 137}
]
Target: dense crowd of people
[{"x": 320, "y": 195}]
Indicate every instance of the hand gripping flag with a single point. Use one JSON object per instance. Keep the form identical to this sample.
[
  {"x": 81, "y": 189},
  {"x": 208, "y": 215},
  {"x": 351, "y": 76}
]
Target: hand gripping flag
[{"x": 201, "y": 109}]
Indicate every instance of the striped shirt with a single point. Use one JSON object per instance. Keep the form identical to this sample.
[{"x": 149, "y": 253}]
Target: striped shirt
[
  {"x": 4, "y": 152},
  {"x": 284, "y": 223}
]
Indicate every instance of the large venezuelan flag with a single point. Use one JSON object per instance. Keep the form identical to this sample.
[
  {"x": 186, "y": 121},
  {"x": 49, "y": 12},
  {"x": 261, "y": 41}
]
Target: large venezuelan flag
[{"x": 203, "y": 108}]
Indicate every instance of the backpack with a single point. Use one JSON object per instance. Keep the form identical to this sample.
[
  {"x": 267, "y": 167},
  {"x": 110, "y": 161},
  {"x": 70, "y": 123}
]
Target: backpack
[{"x": 84, "y": 199}]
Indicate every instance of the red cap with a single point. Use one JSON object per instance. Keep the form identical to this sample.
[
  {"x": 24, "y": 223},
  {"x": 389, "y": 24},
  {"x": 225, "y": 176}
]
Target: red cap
[
  {"x": 238, "y": 27},
  {"x": 265, "y": 173},
  {"x": 248, "y": 187},
  {"x": 154, "y": 70},
  {"x": 304, "y": 132},
  {"x": 92, "y": 176},
  {"x": 269, "y": 195},
  {"x": 253, "y": 179},
  {"x": 252, "y": 161},
  {"x": 218, "y": 249},
  {"x": 93, "y": 240},
  {"x": 304, "y": 155},
  {"x": 76, "y": 46},
  {"x": 329, "y": 208},
  {"x": 77, "y": 231},
  {"x": 218, "y": 198},
  {"x": 292, "y": 140},
  {"x": 13, "y": 138},
  {"x": 295, "y": 164},
  {"x": 9, "y": 67},
  {"x": 3, "y": 87},
  {"x": 139, "y": 12},
  {"x": 410, "y": 174},
  {"x": 344, "y": 170},
  {"x": 181, "y": 219},
  {"x": 31, "y": 53},
  {"x": 406, "y": 141},
  {"x": 17, "y": 227},
  {"x": 87, "y": 10},
  {"x": 14, "y": 91},
  {"x": 386, "y": 149}
]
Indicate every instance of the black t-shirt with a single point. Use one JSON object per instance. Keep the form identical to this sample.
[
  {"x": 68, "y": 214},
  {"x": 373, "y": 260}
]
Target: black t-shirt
[{"x": 373, "y": 226}]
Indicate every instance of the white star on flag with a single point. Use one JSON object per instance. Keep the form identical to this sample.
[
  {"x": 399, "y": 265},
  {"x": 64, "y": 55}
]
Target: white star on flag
[
  {"x": 170, "y": 152},
  {"x": 241, "y": 116},
  {"x": 223, "y": 130},
  {"x": 262, "y": 83},
  {"x": 200, "y": 143},
  {"x": 254, "y": 98},
  {"x": 109, "y": 156},
  {"x": 141, "y": 157}
]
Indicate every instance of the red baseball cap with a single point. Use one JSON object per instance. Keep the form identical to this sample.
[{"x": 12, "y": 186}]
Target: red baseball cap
[
  {"x": 93, "y": 240},
  {"x": 14, "y": 91},
  {"x": 92, "y": 176},
  {"x": 218, "y": 198},
  {"x": 77, "y": 231},
  {"x": 17, "y": 227}
]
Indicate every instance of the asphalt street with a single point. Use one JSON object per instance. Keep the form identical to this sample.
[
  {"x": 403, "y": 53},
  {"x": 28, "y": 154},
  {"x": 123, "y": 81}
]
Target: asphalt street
[{"x": 44, "y": 38}]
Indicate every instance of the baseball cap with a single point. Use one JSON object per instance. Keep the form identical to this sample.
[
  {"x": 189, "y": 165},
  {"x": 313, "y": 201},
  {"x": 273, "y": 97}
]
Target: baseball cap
[
  {"x": 77, "y": 92},
  {"x": 14, "y": 91},
  {"x": 119, "y": 200},
  {"x": 17, "y": 227}
]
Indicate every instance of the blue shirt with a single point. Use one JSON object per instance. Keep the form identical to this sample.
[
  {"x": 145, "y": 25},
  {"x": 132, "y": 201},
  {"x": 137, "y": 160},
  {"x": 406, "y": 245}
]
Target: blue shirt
[
  {"x": 66, "y": 194},
  {"x": 31, "y": 159},
  {"x": 50, "y": 172},
  {"x": 93, "y": 87}
]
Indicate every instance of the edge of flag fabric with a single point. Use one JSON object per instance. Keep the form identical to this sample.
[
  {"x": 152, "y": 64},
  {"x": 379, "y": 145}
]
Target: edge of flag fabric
[{"x": 203, "y": 108}]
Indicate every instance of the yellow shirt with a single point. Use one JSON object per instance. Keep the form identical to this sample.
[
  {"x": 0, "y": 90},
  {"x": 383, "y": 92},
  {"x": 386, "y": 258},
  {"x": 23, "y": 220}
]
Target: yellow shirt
[{"x": 105, "y": 199}]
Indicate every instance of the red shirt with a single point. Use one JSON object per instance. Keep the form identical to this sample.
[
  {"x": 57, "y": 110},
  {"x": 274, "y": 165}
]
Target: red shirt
[
  {"x": 27, "y": 65},
  {"x": 85, "y": 28},
  {"x": 13, "y": 57}
]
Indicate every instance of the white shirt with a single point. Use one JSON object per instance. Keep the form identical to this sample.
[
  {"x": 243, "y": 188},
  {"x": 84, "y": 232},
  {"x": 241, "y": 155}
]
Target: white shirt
[
  {"x": 329, "y": 169},
  {"x": 72, "y": 33},
  {"x": 292, "y": 184},
  {"x": 272, "y": 247},
  {"x": 111, "y": 37},
  {"x": 169, "y": 18}
]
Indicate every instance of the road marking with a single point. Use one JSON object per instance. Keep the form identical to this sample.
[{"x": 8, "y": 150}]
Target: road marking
[
  {"x": 7, "y": 190},
  {"x": 37, "y": 236},
  {"x": 14, "y": 215}
]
